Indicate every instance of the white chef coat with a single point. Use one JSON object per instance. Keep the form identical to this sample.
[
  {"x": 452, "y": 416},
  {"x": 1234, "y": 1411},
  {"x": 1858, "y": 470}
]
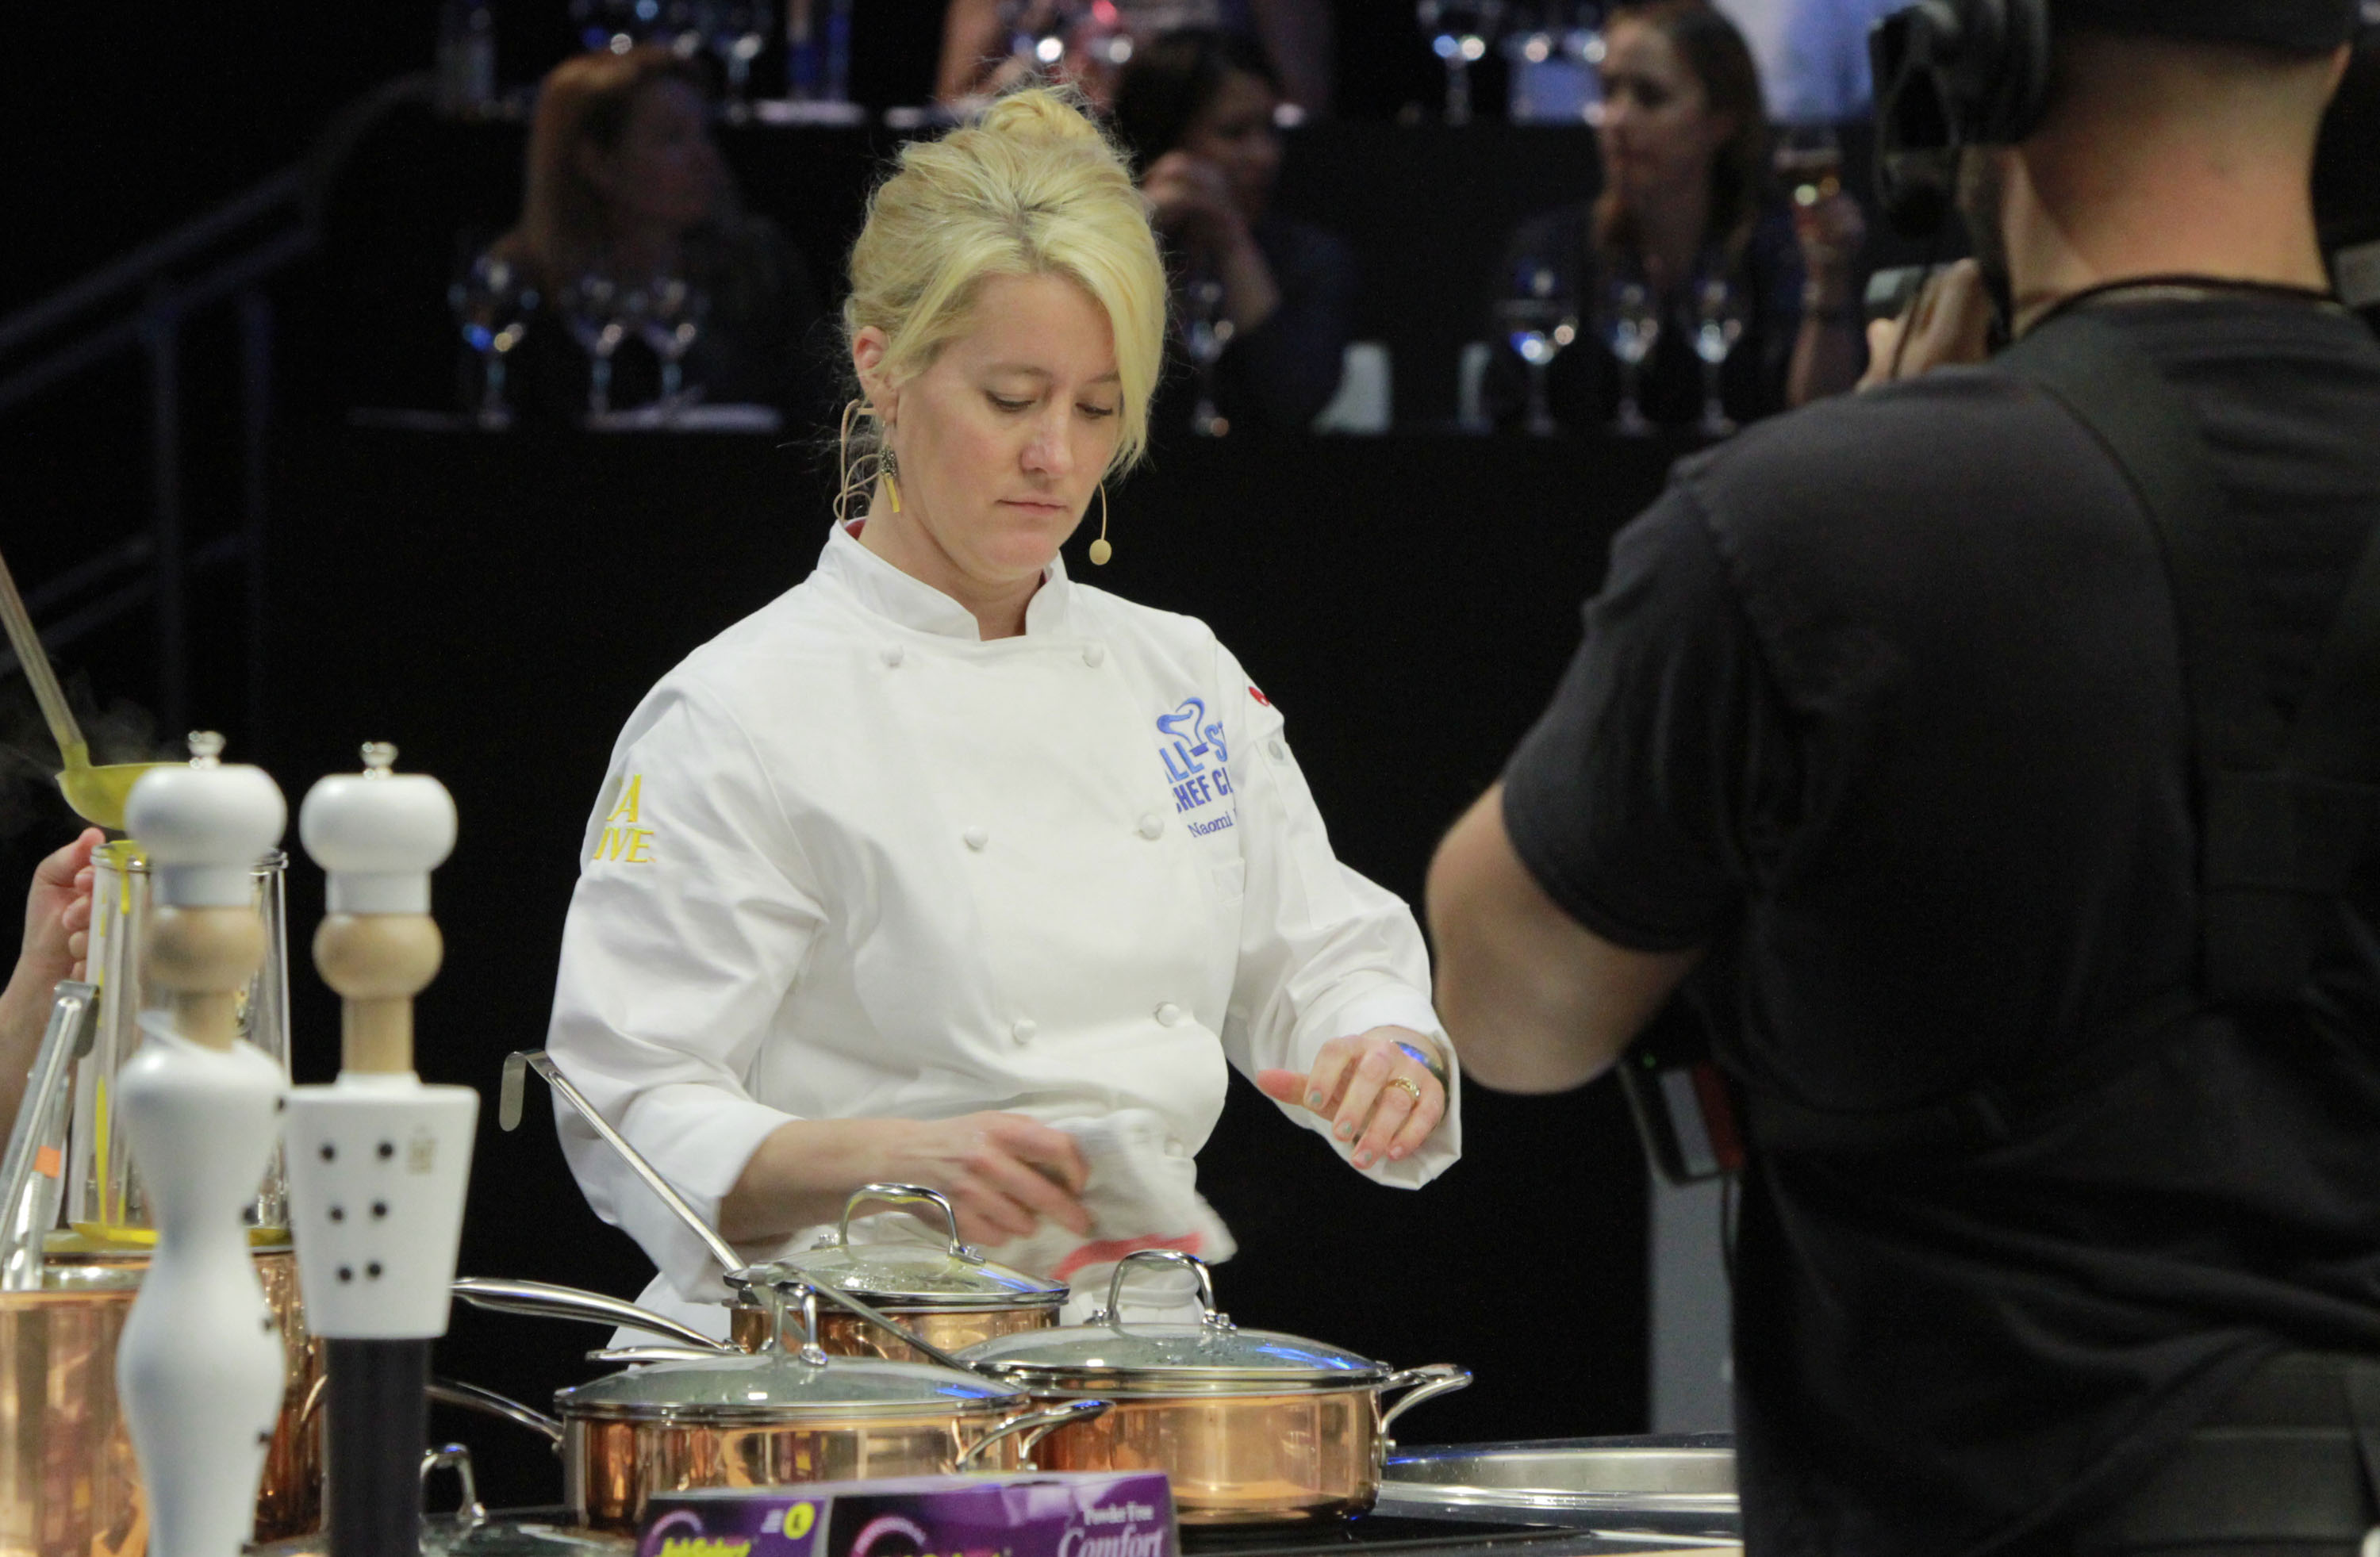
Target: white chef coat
[{"x": 852, "y": 861}]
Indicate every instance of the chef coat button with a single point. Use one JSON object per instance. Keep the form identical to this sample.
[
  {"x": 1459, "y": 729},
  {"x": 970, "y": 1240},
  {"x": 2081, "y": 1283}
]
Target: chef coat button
[
  {"x": 1023, "y": 1030},
  {"x": 894, "y": 653},
  {"x": 975, "y": 838},
  {"x": 1169, "y": 1014},
  {"x": 1093, "y": 654},
  {"x": 1151, "y": 827}
]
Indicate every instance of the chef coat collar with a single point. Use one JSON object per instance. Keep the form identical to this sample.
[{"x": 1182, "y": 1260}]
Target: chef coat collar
[{"x": 912, "y": 602}]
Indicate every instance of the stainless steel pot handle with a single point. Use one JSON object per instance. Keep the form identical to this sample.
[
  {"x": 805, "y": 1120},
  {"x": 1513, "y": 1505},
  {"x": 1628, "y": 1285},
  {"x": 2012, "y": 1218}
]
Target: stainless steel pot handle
[
  {"x": 1438, "y": 1378},
  {"x": 650, "y": 1354},
  {"x": 457, "y": 1458},
  {"x": 906, "y": 1194},
  {"x": 1112, "y": 1315},
  {"x": 546, "y": 1300},
  {"x": 508, "y": 1115},
  {"x": 1036, "y": 1425},
  {"x": 471, "y": 1397}
]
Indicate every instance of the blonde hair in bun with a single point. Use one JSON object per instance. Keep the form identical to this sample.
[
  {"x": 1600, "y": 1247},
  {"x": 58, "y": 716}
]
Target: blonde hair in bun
[{"x": 1034, "y": 188}]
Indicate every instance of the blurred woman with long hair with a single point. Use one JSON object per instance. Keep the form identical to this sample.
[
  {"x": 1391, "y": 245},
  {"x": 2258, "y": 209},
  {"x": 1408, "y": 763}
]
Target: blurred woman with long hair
[
  {"x": 624, "y": 183},
  {"x": 1686, "y": 230}
]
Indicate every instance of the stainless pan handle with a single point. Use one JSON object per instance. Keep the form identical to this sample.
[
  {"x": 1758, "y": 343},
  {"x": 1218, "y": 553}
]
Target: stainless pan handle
[
  {"x": 906, "y": 1194},
  {"x": 1036, "y": 1425},
  {"x": 1438, "y": 1378},
  {"x": 508, "y": 1113},
  {"x": 456, "y": 1458},
  {"x": 650, "y": 1354},
  {"x": 547, "y": 1301},
  {"x": 471, "y": 1397}
]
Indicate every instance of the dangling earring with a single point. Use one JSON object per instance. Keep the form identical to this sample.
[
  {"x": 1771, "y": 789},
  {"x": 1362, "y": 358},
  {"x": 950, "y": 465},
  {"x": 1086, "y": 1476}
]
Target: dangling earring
[
  {"x": 843, "y": 464},
  {"x": 892, "y": 477},
  {"x": 1100, "y": 550}
]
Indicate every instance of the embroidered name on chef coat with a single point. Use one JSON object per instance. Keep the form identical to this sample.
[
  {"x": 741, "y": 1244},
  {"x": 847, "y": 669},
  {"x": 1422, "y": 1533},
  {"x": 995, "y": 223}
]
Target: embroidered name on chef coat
[
  {"x": 1197, "y": 762},
  {"x": 622, "y": 839}
]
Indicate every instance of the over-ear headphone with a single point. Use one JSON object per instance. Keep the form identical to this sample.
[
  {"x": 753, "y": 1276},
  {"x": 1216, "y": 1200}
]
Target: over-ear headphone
[{"x": 1952, "y": 74}]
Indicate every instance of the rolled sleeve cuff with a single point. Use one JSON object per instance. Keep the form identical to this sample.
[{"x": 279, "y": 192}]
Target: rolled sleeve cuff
[{"x": 1388, "y": 1005}]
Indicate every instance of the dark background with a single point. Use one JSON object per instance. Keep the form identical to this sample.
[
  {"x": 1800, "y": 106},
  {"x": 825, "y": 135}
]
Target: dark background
[{"x": 496, "y": 606}]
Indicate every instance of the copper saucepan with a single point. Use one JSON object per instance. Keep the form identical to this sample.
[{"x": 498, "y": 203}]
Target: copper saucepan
[
  {"x": 714, "y": 1416},
  {"x": 1253, "y": 1427}
]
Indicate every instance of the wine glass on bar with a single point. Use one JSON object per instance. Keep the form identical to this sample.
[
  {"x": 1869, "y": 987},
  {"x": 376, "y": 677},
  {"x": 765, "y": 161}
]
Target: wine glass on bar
[
  {"x": 493, "y": 301},
  {"x": 1459, "y": 33},
  {"x": 1538, "y": 325},
  {"x": 590, "y": 307},
  {"x": 1632, "y": 326},
  {"x": 1719, "y": 325},
  {"x": 737, "y": 32},
  {"x": 671, "y": 323},
  {"x": 1205, "y": 334}
]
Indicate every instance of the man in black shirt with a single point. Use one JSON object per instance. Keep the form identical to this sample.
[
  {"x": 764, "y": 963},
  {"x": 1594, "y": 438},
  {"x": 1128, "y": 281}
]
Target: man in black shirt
[{"x": 1883, "y": 730}]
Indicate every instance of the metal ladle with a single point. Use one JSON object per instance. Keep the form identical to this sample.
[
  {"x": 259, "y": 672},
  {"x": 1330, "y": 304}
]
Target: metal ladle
[
  {"x": 96, "y": 794},
  {"x": 739, "y": 1272}
]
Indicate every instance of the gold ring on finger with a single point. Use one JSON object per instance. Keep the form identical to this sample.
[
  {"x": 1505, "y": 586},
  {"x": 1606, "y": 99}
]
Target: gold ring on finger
[{"x": 1407, "y": 1083}]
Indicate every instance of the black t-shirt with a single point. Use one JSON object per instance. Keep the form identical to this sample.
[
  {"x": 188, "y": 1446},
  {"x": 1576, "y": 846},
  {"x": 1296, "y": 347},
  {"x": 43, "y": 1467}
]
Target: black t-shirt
[{"x": 1882, "y": 703}]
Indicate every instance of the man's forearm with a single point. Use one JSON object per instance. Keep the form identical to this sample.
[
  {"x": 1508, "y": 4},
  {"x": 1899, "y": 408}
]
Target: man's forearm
[{"x": 1535, "y": 1001}]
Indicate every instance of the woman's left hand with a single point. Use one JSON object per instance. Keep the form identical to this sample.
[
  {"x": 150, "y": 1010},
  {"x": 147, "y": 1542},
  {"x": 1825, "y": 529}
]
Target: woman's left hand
[{"x": 1377, "y": 1095}]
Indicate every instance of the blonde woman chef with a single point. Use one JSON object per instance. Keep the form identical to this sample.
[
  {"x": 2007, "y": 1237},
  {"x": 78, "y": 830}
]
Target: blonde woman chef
[{"x": 941, "y": 850}]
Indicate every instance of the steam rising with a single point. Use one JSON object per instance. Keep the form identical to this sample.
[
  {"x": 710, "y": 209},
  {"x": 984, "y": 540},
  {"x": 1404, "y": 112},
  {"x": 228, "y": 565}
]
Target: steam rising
[{"x": 123, "y": 732}]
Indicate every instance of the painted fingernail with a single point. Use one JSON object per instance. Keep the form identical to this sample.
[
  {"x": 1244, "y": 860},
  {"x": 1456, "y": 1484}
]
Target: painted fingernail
[
  {"x": 1346, "y": 1132},
  {"x": 1396, "y": 1154},
  {"x": 1314, "y": 1100},
  {"x": 1363, "y": 1159}
]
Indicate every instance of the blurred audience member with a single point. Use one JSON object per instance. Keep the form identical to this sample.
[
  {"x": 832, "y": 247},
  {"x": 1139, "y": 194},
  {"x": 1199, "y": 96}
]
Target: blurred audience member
[
  {"x": 980, "y": 57},
  {"x": 1685, "y": 228},
  {"x": 625, "y": 185},
  {"x": 58, "y": 935},
  {"x": 1197, "y": 110}
]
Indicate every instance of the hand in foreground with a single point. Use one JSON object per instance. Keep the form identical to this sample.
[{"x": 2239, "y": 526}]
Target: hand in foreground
[
  {"x": 1004, "y": 1173},
  {"x": 1948, "y": 324},
  {"x": 58, "y": 915},
  {"x": 1360, "y": 1084}
]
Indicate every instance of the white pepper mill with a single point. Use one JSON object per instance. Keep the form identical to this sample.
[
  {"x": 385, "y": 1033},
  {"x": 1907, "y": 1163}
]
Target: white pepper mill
[
  {"x": 198, "y": 1369},
  {"x": 379, "y": 1163}
]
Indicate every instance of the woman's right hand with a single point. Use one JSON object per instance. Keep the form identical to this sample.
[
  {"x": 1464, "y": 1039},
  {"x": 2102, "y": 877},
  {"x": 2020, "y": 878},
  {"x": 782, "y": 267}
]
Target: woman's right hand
[{"x": 1002, "y": 1173}]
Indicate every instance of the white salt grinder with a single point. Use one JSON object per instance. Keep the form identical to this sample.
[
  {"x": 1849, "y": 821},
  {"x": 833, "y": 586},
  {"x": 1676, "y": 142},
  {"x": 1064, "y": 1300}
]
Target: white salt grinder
[
  {"x": 378, "y": 1162},
  {"x": 198, "y": 1369}
]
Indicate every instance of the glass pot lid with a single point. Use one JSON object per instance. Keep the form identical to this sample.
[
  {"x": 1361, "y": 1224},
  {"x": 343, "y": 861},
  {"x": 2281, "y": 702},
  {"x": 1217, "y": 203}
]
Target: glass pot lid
[
  {"x": 1212, "y": 1355},
  {"x": 781, "y": 1383},
  {"x": 915, "y": 1275},
  {"x": 777, "y": 1384}
]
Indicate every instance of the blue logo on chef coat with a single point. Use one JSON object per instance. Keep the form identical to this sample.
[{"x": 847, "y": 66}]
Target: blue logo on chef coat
[{"x": 1195, "y": 757}]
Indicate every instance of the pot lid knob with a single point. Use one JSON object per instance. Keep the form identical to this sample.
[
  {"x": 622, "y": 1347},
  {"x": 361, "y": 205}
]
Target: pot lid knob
[
  {"x": 379, "y": 833},
  {"x": 204, "y": 825}
]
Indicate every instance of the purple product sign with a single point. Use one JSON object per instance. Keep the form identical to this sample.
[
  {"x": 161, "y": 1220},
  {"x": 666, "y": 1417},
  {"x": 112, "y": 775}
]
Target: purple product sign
[{"x": 1080, "y": 1514}]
